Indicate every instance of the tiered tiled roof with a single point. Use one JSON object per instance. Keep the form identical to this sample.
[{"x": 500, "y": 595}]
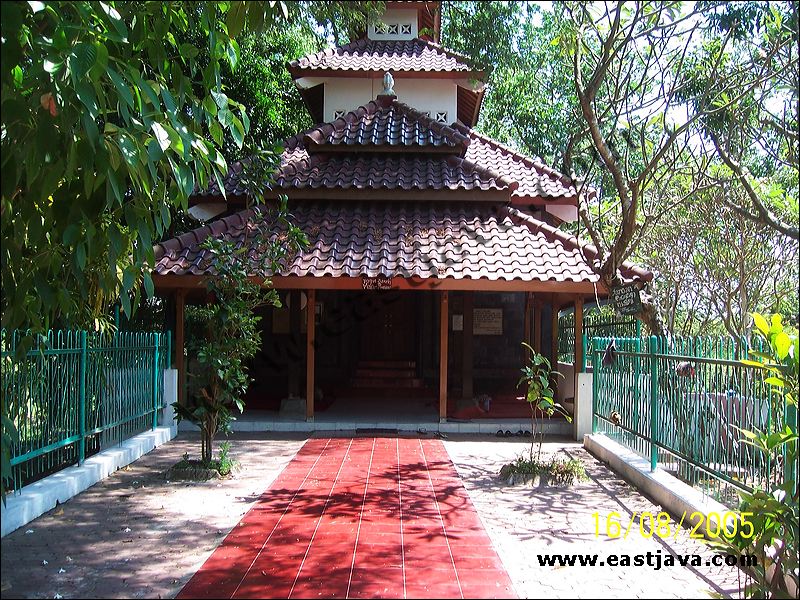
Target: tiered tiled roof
[
  {"x": 536, "y": 180},
  {"x": 376, "y": 172},
  {"x": 378, "y": 56},
  {"x": 391, "y": 124},
  {"x": 404, "y": 239}
]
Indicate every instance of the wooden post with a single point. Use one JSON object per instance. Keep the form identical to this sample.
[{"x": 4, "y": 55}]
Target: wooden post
[
  {"x": 443, "y": 329},
  {"x": 466, "y": 366},
  {"x": 311, "y": 320},
  {"x": 578, "y": 336},
  {"x": 295, "y": 344},
  {"x": 537, "y": 326},
  {"x": 526, "y": 327},
  {"x": 554, "y": 334},
  {"x": 180, "y": 342}
]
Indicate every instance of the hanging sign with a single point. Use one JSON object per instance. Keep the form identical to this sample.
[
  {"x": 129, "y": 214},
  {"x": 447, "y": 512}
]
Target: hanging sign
[
  {"x": 376, "y": 283},
  {"x": 487, "y": 321},
  {"x": 626, "y": 299}
]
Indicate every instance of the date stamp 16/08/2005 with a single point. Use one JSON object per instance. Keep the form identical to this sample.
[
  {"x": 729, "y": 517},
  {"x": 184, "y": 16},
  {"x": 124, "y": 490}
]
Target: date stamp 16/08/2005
[{"x": 661, "y": 525}]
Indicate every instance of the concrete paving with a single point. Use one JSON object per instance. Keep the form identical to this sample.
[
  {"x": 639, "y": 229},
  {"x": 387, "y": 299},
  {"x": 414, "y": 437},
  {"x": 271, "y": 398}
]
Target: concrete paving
[{"x": 137, "y": 535}]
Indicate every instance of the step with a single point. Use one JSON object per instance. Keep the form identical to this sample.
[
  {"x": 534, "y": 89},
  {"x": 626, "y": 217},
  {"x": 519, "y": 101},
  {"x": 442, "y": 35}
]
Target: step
[
  {"x": 374, "y": 372},
  {"x": 387, "y": 383},
  {"x": 387, "y": 364}
]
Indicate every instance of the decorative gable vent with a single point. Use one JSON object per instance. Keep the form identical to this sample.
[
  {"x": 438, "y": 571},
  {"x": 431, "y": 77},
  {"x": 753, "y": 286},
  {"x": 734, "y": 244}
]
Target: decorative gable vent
[
  {"x": 392, "y": 30},
  {"x": 338, "y": 113},
  {"x": 441, "y": 117}
]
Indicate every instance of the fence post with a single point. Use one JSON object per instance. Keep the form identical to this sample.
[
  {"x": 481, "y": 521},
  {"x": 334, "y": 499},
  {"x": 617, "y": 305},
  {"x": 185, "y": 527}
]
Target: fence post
[
  {"x": 155, "y": 380},
  {"x": 653, "y": 350},
  {"x": 82, "y": 400},
  {"x": 595, "y": 380}
]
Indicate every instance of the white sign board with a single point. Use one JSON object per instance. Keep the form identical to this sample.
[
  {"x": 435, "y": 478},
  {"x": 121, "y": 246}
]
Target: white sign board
[{"x": 487, "y": 321}]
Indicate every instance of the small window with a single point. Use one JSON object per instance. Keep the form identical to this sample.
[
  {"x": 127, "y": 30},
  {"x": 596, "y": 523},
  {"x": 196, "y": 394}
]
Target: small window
[
  {"x": 338, "y": 113},
  {"x": 441, "y": 117}
]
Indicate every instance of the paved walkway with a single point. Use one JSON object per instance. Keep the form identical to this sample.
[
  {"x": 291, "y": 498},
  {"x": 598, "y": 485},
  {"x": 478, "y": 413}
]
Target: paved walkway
[
  {"x": 358, "y": 518},
  {"x": 136, "y": 535}
]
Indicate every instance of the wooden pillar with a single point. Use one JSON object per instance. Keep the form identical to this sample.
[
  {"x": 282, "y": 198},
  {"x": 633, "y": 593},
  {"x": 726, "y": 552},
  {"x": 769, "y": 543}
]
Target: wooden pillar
[
  {"x": 578, "y": 334},
  {"x": 295, "y": 344},
  {"x": 554, "y": 335},
  {"x": 311, "y": 321},
  {"x": 537, "y": 326},
  {"x": 466, "y": 363},
  {"x": 443, "y": 329},
  {"x": 526, "y": 328},
  {"x": 180, "y": 342}
]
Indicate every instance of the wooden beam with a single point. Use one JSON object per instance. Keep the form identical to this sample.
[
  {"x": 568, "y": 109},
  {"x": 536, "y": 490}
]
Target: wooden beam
[
  {"x": 466, "y": 363},
  {"x": 180, "y": 342},
  {"x": 443, "y": 329},
  {"x": 578, "y": 335},
  {"x": 286, "y": 282},
  {"x": 311, "y": 320}
]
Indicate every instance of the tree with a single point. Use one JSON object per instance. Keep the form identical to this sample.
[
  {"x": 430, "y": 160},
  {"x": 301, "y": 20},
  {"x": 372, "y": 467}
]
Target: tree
[
  {"x": 636, "y": 68},
  {"x": 112, "y": 113},
  {"x": 231, "y": 336},
  {"x": 714, "y": 267}
]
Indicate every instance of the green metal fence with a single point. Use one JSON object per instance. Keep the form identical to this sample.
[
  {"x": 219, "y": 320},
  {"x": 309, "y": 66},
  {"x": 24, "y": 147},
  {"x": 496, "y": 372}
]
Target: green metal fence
[
  {"x": 680, "y": 401},
  {"x": 595, "y": 325},
  {"x": 74, "y": 393}
]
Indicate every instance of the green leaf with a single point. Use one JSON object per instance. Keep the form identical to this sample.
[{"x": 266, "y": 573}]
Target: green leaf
[
  {"x": 122, "y": 87},
  {"x": 82, "y": 59},
  {"x": 161, "y": 135},
  {"x": 775, "y": 381},
  {"x": 235, "y": 19},
  {"x": 148, "y": 284},
  {"x": 761, "y": 323},
  {"x": 782, "y": 344},
  {"x": 88, "y": 98}
]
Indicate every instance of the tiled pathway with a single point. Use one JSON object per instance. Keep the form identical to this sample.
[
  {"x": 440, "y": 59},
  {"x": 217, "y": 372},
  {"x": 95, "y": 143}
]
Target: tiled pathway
[{"x": 355, "y": 518}]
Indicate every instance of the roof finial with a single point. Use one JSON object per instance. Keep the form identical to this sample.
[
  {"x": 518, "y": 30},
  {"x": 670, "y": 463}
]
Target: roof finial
[{"x": 388, "y": 84}]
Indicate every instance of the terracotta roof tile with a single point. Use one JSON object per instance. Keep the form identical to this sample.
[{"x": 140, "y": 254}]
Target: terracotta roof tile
[
  {"x": 381, "y": 56},
  {"x": 406, "y": 239},
  {"x": 299, "y": 170},
  {"x": 536, "y": 180},
  {"x": 395, "y": 124}
]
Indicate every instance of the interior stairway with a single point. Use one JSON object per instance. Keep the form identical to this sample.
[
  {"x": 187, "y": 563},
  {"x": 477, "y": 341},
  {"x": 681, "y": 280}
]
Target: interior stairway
[{"x": 387, "y": 375}]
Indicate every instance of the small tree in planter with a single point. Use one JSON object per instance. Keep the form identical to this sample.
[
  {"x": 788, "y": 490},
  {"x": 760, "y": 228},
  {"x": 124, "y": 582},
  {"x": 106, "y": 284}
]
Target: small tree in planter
[
  {"x": 538, "y": 377},
  {"x": 231, "y": 336}
]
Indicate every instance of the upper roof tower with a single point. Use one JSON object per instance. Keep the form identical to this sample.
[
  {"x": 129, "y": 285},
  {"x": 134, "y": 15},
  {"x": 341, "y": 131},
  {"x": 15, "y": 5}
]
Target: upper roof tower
[{"x": 404, "y": 42}]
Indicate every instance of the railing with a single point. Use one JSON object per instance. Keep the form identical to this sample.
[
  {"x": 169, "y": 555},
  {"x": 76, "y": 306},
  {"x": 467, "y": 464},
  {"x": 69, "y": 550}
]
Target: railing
[
  {"x": 74, "y": 393},
  {"x": 680, "y": 402},
  {"x": 595, "y": 325}
]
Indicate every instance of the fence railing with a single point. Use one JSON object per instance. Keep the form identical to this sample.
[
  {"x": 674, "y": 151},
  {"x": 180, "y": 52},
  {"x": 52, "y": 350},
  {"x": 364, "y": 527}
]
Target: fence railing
[
  {"x": 595, "y": 325},
  {"x": 680, "y": 402},
  {"x": 74, "y": 393}
]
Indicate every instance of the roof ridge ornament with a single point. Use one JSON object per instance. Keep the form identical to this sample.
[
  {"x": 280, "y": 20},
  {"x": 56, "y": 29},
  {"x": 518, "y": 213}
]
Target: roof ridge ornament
[{"x": 388, "y": 84}]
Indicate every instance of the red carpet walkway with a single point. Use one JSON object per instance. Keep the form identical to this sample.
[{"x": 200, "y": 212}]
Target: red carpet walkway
[{"x": 358, "y": 518}]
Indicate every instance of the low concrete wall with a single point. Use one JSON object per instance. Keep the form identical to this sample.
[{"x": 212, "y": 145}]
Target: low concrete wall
[
  {"x": 37, "y": 498},
  {"x": 675, "y": 496}
]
